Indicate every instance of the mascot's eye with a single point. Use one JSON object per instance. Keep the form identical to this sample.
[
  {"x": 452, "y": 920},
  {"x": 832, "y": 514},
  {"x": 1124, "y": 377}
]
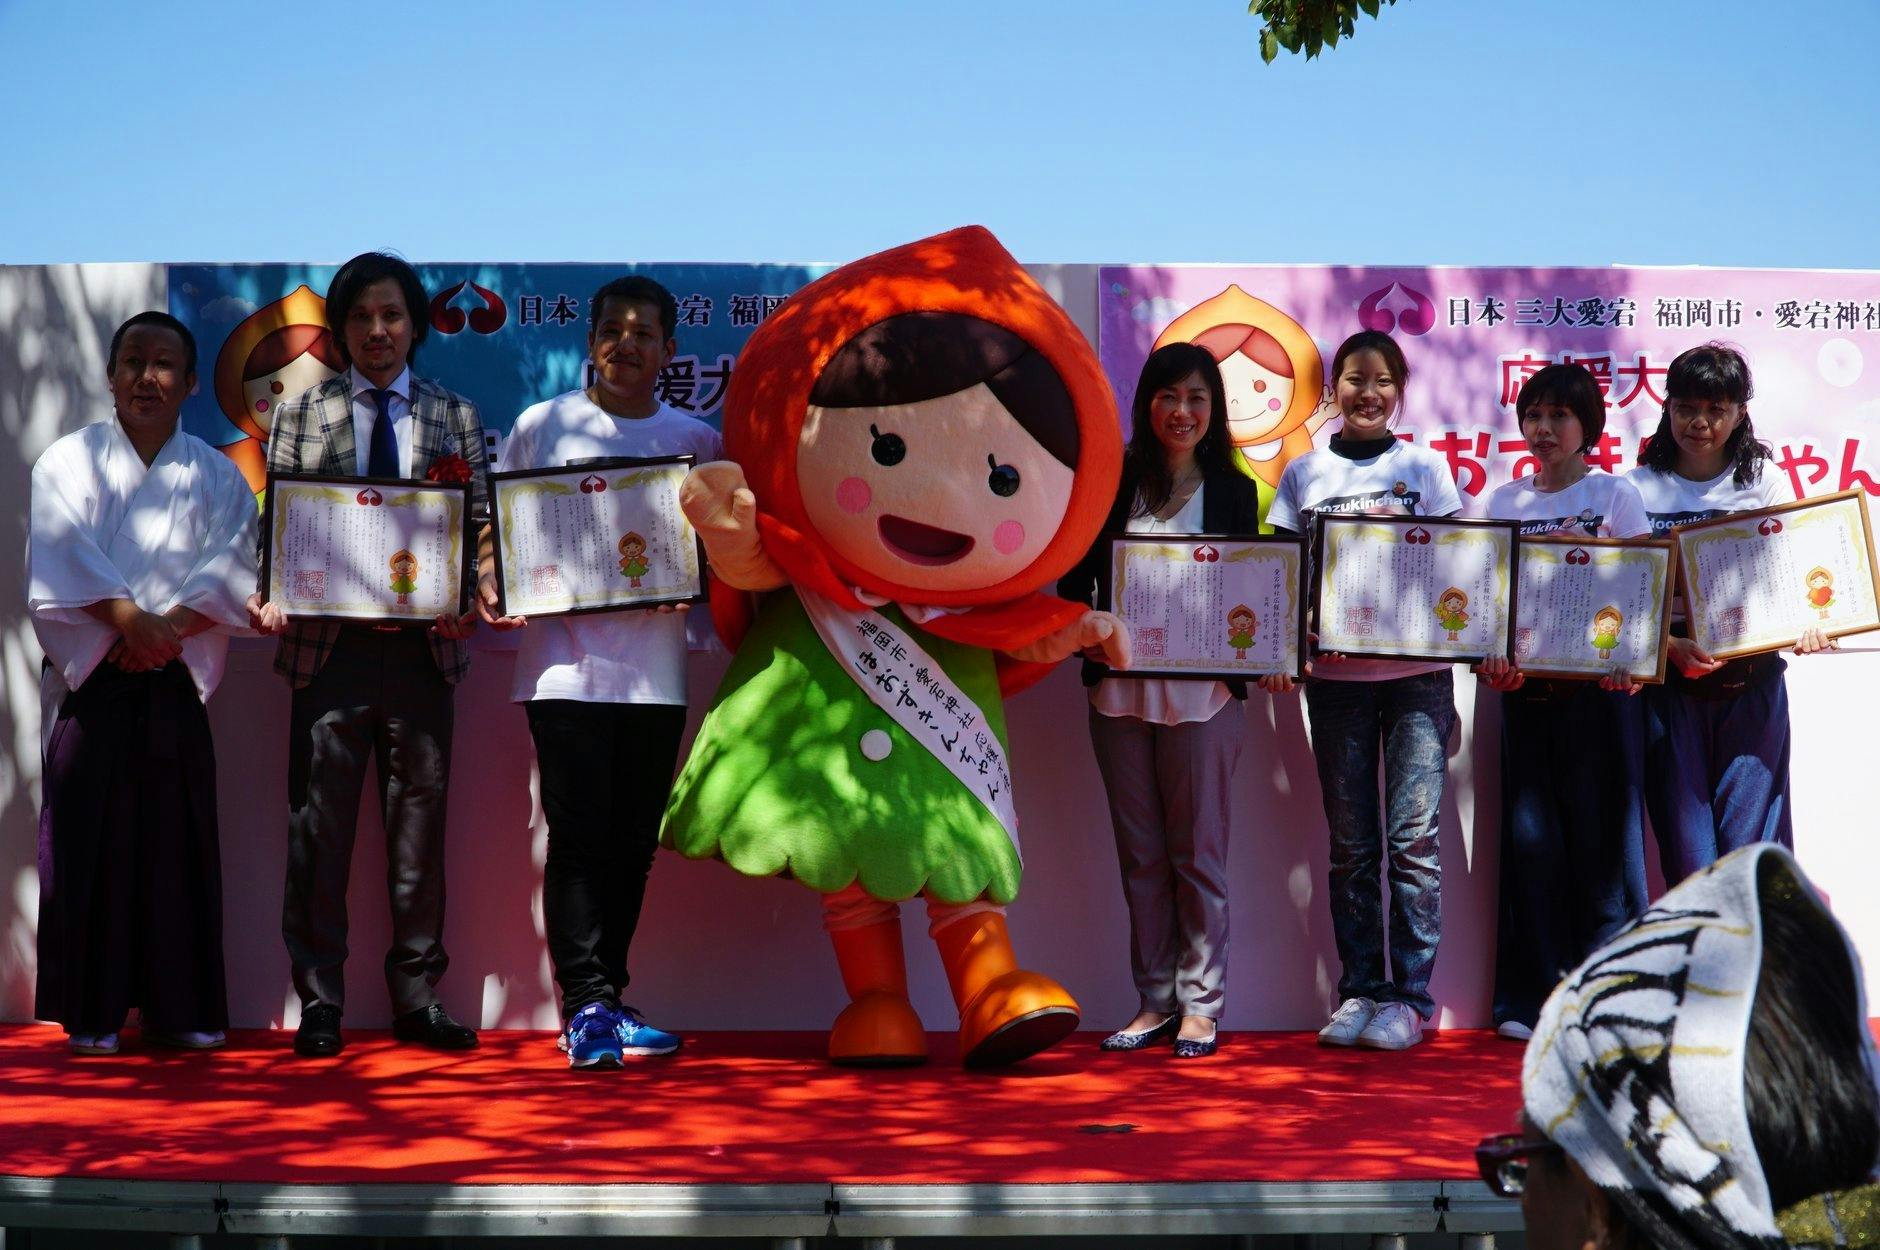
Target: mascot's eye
[
  {"x": 888, "y": 449},
  {"x": 1003, "y": 479}
]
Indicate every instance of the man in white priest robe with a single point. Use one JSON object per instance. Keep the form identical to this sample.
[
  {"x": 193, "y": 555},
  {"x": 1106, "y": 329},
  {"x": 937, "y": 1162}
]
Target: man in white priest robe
[{"x": 140, "y": 552}]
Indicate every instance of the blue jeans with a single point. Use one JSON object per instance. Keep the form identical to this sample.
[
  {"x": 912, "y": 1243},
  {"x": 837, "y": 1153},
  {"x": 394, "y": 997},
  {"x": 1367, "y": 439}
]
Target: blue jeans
[
  {"x": 1412, "y": 717},
  {"x": 1717, "y": 768},
  {"x": 1572, "y": 834}
]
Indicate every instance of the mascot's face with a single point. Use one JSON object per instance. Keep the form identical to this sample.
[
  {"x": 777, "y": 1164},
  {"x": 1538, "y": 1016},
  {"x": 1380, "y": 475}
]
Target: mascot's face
[
  {"x": 926, "y": 425},
  {"x": 951, "y": 493}
]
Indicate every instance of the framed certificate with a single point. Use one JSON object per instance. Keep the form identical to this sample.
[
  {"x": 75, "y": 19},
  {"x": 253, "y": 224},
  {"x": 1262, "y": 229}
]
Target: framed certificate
[
  {"x": 1415, "y": 588},
  {"x": 1588, "y": 606},
  {"x": 1755, "y": 581},
  {"x": 365, "y": 549},
  {"x": 596, "y": 537},
  {"x": 1209, "y": 606}
]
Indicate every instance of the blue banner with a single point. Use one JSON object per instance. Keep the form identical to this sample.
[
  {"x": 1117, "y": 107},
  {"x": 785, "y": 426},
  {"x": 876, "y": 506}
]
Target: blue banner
[{"x": 505, "y": 335}]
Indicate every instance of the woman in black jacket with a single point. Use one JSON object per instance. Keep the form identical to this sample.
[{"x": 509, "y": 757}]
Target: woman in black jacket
[{"x": 1167, "y": 748}]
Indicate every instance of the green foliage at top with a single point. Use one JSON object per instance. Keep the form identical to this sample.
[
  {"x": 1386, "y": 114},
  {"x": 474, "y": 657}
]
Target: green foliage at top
[{"x": 1310, "y": 25}]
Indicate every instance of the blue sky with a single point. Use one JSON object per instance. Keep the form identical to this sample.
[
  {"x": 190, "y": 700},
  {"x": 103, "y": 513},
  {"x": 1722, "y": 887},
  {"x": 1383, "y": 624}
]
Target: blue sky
[{"x": 1449, "y": 131}]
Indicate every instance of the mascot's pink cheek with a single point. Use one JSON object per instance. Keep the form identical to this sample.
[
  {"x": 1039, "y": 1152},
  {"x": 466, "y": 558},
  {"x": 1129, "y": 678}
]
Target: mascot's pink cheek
[
  {"x": 853, "y": 495},
  {"x": 1009, "y": 537}
]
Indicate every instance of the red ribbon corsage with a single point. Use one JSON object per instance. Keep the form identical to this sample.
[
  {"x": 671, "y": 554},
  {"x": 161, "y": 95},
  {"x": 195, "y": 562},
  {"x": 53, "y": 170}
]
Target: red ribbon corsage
[{"x": 451, "y": 468}]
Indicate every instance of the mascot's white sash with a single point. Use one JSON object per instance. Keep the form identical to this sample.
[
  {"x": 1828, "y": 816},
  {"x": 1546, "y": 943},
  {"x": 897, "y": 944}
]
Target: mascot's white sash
[{"x": 901, "y": 679}]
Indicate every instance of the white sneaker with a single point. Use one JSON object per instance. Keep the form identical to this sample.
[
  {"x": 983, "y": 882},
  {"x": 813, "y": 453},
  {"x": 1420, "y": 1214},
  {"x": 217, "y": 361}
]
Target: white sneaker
[
  {"x": 1347, "y": 1022},
  {"x": 1514, "y": 1031},
  {"x": 1396, "y": 1026}
]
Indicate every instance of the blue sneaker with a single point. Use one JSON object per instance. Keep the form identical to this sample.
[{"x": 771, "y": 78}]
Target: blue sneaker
[
  {"x": 592, "y": 1038},
  {"x": 636, "y": 1037}
]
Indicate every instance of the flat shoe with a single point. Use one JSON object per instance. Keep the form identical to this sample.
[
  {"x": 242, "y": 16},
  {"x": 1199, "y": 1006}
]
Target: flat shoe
[
  {"x": 93, "y": 1043},
  {"x": 1197, "y": 1048},
  {"x": 1123, "y": 1039}
]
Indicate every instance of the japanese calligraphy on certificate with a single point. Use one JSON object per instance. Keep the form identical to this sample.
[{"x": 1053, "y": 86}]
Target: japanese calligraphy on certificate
[
  {"x": 594, "y": 538},
  {"x": 1202, "y": 606},
  {"x": 1415, "y": 588},
  {"x": 365, "y": 549},
  {"x": 1756, "y": 581},
  {"x": 1590, "y": 606}
]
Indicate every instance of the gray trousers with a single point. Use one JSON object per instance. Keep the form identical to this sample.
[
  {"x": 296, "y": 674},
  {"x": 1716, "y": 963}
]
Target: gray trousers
[
  {"x": 379, "y": 698},
  {"x": 1171, "y": 790}
]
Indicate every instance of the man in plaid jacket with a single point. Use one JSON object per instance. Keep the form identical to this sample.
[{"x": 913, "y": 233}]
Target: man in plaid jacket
[{"x": 372, "y": 692}]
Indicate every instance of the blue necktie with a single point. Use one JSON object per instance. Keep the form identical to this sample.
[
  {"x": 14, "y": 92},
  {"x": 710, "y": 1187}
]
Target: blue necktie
[{"x": 382, "y": 459}]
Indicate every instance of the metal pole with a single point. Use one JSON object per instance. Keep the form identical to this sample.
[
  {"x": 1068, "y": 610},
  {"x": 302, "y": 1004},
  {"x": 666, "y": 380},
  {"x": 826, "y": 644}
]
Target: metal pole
[
  {"x": 1478, "y": 1241},
  {"x": 1389, "y": 1241}
]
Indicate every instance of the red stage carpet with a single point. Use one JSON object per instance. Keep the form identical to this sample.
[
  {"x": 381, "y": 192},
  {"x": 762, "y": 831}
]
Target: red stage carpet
[{"x": 749, "y": 1108}]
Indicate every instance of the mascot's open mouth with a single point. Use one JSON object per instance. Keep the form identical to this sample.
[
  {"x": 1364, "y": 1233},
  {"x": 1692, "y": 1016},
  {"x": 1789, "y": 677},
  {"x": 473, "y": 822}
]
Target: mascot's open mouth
[{"x": 922, "y": 544}]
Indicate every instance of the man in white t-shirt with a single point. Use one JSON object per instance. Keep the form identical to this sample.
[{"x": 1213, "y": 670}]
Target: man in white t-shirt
[{"x": 605, "y": 692}]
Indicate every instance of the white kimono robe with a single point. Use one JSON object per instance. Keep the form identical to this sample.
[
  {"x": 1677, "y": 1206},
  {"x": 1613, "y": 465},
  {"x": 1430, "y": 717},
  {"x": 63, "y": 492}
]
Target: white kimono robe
[{"x": 182, "y": 531}]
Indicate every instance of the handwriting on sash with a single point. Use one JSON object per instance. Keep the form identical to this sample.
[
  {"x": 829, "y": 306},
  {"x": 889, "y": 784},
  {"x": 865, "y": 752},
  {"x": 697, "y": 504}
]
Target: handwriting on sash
[{"x": 956, "y": 732}]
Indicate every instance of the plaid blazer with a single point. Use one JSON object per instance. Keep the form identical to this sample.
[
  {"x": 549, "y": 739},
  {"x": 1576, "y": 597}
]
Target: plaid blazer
[{"x": 314, "y": 434}]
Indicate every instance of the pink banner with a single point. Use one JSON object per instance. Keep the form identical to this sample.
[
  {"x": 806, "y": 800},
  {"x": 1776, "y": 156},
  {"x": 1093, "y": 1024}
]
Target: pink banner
[{"x": 1473, "y": 336}]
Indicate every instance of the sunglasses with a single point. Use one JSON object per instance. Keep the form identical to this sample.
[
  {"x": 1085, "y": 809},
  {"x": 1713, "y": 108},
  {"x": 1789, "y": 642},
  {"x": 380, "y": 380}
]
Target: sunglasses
[{"x": 1503, "y": 1161}]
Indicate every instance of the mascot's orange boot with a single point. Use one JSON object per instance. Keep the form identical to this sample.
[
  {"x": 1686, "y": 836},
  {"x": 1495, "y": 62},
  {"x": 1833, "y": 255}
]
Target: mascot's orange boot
[
  {"x": 1006, "y": 1013},
  {"x": 878, "y": 1029}
]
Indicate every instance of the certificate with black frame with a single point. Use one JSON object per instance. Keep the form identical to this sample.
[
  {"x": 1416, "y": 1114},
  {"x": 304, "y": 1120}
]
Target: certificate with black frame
[
  {"x": 1756, "y": 581},
  {"x": 1590, "y": 606},
  {"x": 1209, "y": 607},
  {"x": 364, "y": 548},
  {"x": 601, "y": 536},
  {"x": 1414, "y": 588}
]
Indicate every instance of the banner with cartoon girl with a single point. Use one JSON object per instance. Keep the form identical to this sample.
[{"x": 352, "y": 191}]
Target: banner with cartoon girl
[{"x": 1473, "y": 336}]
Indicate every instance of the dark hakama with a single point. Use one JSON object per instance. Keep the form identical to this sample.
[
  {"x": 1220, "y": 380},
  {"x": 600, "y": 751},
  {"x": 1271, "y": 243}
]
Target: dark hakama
[{"x": 130, "y": 875}]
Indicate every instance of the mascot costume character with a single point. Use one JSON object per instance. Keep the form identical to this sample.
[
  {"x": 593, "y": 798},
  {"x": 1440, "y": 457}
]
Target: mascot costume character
[{"x": 918, "y": 442}]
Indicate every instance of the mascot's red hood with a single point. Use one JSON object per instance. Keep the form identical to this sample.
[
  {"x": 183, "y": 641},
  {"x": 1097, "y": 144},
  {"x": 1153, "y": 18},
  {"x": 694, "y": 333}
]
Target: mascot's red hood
[{"x": 962, "y": 271}]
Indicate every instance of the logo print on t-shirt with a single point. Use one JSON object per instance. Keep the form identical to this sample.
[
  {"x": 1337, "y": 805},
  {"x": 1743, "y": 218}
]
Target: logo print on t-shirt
[
  {"x": 1588, "y": 520},
  {"x": 1665, "y": 522},
  {"x": 1399, "y": 498}
]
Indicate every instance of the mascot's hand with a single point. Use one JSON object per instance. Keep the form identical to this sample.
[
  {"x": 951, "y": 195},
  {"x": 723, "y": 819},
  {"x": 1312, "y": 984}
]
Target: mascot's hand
[
  {"x": 1100, "y": 636},
  {"x": 721, "y": 507}
]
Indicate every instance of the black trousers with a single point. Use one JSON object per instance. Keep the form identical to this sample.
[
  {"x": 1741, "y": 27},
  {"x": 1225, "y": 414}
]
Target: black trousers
[
  {"x": 130, "y": 870},
  {"x": 606, "y": 771},
  {"x": 379, "y": 697}
]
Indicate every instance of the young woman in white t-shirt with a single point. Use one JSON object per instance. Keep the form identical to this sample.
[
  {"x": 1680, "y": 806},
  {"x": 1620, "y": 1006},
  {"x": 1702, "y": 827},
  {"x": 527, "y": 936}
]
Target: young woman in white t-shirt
[
  {"x": 1357, "y": 706},
  {"x": 1572, "y": 826},
  {"x": 1716, "y": 732},
  {"x": 1167, "y": 748}
]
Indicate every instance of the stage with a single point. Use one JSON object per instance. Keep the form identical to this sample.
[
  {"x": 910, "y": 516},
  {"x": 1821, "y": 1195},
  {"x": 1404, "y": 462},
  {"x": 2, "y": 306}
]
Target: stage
[{"x": 750, "y": 1134}]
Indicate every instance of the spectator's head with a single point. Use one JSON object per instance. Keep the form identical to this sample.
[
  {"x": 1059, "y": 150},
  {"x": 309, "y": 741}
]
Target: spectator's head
[
  {"x": 377, "y": 312},
  {"x": 1703, "y": 1078}
]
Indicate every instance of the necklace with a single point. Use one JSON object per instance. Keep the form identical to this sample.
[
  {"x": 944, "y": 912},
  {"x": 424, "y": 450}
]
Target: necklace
[{"x": 1180, "y": 493}]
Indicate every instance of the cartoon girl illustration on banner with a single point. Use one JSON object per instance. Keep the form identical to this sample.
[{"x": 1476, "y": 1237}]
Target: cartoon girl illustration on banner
[
  {"x": 1241, "y": 622},
  {"x": 279, "y": 351},
  {"x": 633, "y": 564},
  {"x": 1452, "y": 611},
  {"x": 404, "y": 574},
  {"x": 1606, "y": 625},
  {"x": 1820, "y": 590},
  {"x": 923, "y": 440},
  {"x": 1273, "y": 375}
]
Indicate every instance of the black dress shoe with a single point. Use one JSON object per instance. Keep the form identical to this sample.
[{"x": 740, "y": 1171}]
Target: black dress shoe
[
  {"x": 318, "y": 1036},
  {"x": 432, "y": 1026}
]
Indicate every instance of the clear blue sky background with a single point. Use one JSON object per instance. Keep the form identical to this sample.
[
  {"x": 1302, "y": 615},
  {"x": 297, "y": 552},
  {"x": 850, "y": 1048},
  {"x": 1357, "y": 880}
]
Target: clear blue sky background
[{"x": 1717, "y": 132}]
